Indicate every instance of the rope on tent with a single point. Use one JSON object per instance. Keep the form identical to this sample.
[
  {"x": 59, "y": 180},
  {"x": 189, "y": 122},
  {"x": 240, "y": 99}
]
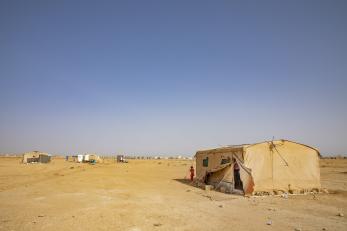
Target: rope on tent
[{"x": 274, "y": 146}]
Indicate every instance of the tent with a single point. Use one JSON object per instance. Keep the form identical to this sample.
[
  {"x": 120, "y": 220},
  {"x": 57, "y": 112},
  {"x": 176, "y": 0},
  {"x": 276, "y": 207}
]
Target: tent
[
  {"x": 262, "y": 168},
  {"x": 95, "y": 158},
  {"x": 121, "y": 158},
  {"x": 36, "y": 157},
  {"x": 80, "y": 158},
  {"x": 87, "y": 158}
]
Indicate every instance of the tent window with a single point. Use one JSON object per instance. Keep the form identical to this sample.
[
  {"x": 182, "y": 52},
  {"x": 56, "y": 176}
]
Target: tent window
[
  {"x": 225, "y": 161},
  {"x": 205, "y": 162}
]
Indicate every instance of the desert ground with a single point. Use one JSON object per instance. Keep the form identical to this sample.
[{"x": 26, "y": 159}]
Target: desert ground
[{"x": 153, "y": 195}]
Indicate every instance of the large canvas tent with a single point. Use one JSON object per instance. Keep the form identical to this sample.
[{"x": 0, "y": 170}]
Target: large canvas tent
[
  {"x": 270, "y": 166},
  {"x": 36, "y": 157}
]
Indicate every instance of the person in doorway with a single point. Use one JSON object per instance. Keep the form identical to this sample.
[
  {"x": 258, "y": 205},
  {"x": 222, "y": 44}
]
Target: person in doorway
[
  {"x": 191, "y": 173},
  {"x": 237, "y": 178}
]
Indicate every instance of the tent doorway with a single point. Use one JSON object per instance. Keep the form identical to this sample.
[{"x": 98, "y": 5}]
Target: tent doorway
[
  {"x": 207, "y": 178},
  {"x": 237, "y": 179}
]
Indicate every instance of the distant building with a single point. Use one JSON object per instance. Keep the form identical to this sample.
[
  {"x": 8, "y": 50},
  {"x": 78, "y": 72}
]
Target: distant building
[
  {"x": 36, "y": 157},
  {"x": 120, "y": 158}
]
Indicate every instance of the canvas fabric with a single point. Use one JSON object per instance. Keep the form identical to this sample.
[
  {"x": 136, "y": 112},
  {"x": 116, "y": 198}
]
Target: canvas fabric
[{"x": 264, "y": 167}]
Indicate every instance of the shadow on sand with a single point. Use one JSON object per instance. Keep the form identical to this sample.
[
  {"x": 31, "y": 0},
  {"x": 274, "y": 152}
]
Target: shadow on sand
[
  {"x": 216, "y": 196},
  {"x": 188, "y": 182}
]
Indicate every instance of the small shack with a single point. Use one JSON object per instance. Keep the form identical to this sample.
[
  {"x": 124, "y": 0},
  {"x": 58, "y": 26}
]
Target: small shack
[
  {"x": 269, "y": 167},
  {"x": 36, "y": 157},
  {"x": 121, "y": 159},
  {"x": 94, "y": 158},
  {"x": 79, "y": 158}
]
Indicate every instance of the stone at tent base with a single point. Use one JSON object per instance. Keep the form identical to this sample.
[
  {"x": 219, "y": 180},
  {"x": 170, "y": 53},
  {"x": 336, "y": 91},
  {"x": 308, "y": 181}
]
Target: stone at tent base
[
  {"x": 285, "y": 195},
  {"x": 237, "y": 192},
  {"x": 278, "y": 192},
  {"x": 201, "y": 185},
  {"x": 294, "y": 191},
  {"x": 262, "y": 193},
  {"x": 208, "y": 187},
  {"x": 304, "y": 191}
]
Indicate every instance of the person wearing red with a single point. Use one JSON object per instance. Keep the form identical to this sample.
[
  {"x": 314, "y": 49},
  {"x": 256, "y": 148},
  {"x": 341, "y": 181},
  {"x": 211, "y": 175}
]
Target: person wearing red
[{"x": 191, "y": 173}]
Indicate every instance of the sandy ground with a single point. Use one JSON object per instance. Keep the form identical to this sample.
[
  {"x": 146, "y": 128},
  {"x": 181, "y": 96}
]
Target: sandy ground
[{"x": 152, "y": 195}]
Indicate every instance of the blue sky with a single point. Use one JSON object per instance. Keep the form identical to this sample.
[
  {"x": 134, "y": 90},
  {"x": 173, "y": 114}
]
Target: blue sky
[{"x": 171, "y": 77}]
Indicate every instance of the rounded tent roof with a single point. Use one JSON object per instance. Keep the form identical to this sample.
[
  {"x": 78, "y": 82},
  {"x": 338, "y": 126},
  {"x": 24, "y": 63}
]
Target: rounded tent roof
[
  {"x": 244, "y": 146},
  {"x": 282, "y": 141}
]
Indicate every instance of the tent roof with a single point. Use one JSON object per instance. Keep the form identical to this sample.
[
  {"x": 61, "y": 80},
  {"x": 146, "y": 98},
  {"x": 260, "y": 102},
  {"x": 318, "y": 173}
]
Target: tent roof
[
  {"x": 283, "y": 140},
  {"x": 238, "y": 147},
  {"x": 36, "y": 153},
  {"x": 222, "y": 149}
]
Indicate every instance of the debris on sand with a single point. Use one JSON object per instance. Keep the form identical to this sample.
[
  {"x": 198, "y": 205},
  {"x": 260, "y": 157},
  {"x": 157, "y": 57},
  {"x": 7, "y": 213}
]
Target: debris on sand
[
  {"x": 220, "y": 206},
  {"x": 269, "y": 222},
  {"x": 40, "y": 216},
  {"x": 340, "y": 215},
  {"x": 284, "y": 195},
  {"x": 157, "y": 224},
  {"x": 209, "y": 197},
  {"x": 72, "y": 167},
  {"x": 297, "y": 229}
]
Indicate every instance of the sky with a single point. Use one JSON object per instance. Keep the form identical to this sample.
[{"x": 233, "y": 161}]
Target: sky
[{"x": 171, "y": 77}]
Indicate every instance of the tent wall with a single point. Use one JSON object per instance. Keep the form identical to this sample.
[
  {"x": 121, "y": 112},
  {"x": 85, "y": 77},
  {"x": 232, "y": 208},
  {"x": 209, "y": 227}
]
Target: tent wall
[
  {"x": 215, "y": 159},
  {"x": 32, "y": 160},
  {"x": 95, "y": 158},
  {"x": 283, "y": 166},
  {"x": 44, "y": 159},
  {"x": 30, "y": 157}
]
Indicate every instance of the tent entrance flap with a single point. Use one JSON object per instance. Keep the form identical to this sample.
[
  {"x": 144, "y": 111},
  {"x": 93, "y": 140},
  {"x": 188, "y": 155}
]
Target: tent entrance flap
[
  {"x": 223, "y": 179},
  {"x": 247, "y": 180}
]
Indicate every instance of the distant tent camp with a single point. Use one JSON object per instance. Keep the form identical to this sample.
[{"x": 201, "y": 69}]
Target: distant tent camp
[
  {"x": 93, "y": 158},
  {"x": 267, "y": 167},
  {"x": 36, "y": 157}
]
